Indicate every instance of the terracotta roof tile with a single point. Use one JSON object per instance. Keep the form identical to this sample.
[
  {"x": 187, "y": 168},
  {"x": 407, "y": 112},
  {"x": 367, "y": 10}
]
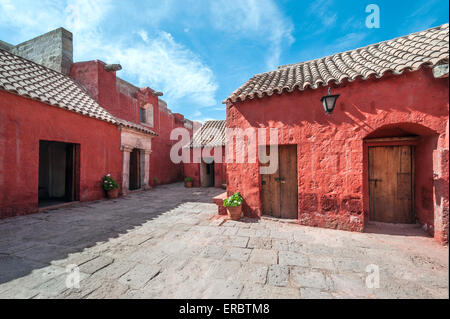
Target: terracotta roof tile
[
  {"x": 211, "y": 134},
  {"x": 135, "y": 126},
  {"x": 410, "y": 52},
  {"x": 31, "y": 80}
]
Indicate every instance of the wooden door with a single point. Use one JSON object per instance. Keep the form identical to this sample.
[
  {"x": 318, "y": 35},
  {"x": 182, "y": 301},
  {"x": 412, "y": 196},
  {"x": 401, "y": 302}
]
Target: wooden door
[
  {"x": 391, "y": 184},
  {"x": 270, "y": 192},
  {"x": 280, "y": 189}
]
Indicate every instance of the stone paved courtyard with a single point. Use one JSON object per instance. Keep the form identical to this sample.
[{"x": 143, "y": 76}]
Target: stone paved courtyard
[{"x": 169, "y": 243}]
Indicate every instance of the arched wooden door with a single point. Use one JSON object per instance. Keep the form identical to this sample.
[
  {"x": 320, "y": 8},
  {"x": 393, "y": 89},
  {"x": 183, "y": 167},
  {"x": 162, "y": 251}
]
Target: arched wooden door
[{"x": 391, "y": 180}]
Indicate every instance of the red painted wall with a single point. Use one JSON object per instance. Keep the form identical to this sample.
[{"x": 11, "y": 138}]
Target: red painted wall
[
  {"x": 161, "y": 166},
  {"x": 192, "y": 169},
  {"x": 332, "y": 162},
  {"x": 102, "y": 85},
  {"x": 86, "y": 73},
  {"x": 23, "y": 123}
]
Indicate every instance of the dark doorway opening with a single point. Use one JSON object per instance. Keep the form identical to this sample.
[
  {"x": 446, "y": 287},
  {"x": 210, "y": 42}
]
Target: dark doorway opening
[
  {"x": 210, "y": 174},
  {"x": 207, "y": 174},
  {"x": 135, "y": 169},
  {"x": 58, "y": 173}
]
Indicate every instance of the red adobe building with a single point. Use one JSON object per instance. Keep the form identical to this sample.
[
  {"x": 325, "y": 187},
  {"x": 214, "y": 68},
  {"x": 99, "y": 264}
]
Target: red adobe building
[
  {"x": 141, "y": 106},
  {"x": 64, "y": 125},
  {"x": 381, "y": 154},
  {"x": 206, "y": 165}
]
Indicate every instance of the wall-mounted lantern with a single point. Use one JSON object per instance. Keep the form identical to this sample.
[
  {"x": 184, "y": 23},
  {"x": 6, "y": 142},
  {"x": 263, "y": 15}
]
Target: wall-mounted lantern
[{"x": 329, "y": 101}]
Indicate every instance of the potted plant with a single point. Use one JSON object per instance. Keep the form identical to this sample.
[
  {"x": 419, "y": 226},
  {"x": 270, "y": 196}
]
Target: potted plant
[
  {"x": 188, "y": 181},
  {"x": 110, "y": 186},
  {"x": 155, "y": 181},
  {"x": 233, "y": 205}
]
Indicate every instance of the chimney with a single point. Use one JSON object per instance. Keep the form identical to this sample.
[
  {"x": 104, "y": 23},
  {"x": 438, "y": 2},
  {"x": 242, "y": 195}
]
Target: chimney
[{"x": 53, "y": 49}]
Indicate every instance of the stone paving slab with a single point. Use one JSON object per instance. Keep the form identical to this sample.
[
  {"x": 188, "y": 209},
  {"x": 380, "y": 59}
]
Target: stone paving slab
[
  {"x": 169, "y": 243},
  {"x": 237, "y": 253},
  {"x": 264, "y": 256},
  {"x": 290, "y": 258},
  {"x": 96, "y": 264},
  {"x": 140, "y": 275},
  {"x": 253, "y": 273},
  {"x": 278, "y": 275}
]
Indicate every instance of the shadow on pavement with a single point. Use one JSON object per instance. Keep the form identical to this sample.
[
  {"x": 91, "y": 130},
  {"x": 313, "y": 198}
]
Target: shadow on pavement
[{"x": 34, "y": 241}]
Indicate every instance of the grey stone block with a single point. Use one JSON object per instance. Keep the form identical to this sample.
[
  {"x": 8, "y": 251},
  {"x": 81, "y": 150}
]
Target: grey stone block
[
  {"x": 240, "y": 254},
  {"x": 237, "y": 241},
  {"x": 314, "y": 293},
  {"x": 278, "y": 275},
  {"x": 264, "y": 256},
  {"x": 225, "y": 269},
  {"x": 307, "y": 278},
  {"x": 96, "y": 264},
  {"x": 213, "y": 251},
  {"x": 254, "y": 273},
  {"x": 260, "y": 243},
  {"x": 223, "y": 289},
  {"x": 140, "y": 275},
  {"x": 290, "y": 258}
]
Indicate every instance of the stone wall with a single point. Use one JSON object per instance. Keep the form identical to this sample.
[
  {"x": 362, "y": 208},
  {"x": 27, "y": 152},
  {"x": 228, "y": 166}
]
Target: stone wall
[
  {"x": 5, "y": 46},
  {"x": 124, "y": 100},
  {"x": 53, "y": 49},
  {"x": 332, "y": 162},
  {"x": 25, "y": 122},
  {"x": 193, "y": 168},
  {"x": 126, "y": 88}
]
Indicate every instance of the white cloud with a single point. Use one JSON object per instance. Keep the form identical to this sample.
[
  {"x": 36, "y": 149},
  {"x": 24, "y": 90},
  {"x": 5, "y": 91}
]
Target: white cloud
[
  {"x": 166, "y": 64},
  {"x": 420, "y": 18},
  {"x": 258, "y": 20},
  {"x": 144, "y": 35},
  {"x": 154, "y": 12},
  {"x": 323, "y": 11},
  {"x": 29, "y": 19},
  {"x": 198, "y": 116},
  {"x": 348, "y": 42},
  {"x": 158, "y": 61},
  {"x": 85, "y": 15}
]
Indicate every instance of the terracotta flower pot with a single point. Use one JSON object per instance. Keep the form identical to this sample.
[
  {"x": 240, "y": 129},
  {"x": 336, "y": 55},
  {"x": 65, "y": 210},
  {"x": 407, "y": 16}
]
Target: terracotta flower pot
[
  {"x": 235, "y": 213},
  {"x": 112, "y": 193},
  {"x": 188, "y": 184}
]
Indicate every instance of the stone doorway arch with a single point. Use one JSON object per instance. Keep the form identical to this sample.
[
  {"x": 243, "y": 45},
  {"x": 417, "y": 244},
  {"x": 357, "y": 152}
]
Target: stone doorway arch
[
  {"x": 140, "y": 143},
  {"x": 429, "y": 178}
]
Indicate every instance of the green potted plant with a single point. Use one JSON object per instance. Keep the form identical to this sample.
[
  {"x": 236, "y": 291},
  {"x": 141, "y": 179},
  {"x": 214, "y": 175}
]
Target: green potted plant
[
  {"x": 233, "y": 205},
  {"x": 110, "y": 186},
  {"x": 188, "y": 181},
  {"x": 155, "y": 181}
]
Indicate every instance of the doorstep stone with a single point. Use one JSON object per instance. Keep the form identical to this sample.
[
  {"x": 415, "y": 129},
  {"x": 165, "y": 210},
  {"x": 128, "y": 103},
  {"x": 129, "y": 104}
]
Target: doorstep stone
[{"x": 218, "y": 200}]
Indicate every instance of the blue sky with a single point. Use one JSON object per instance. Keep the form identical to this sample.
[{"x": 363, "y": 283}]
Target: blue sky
[{"x": 198, "y": 51}]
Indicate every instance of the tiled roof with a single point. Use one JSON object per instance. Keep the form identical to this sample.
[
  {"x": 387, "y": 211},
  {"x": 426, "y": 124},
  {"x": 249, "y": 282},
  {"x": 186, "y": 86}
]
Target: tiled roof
[
  {"x": 135, "y": 126},
  {"x": 34, "y": 81},
  {"x": 211, "y": 134},
  {"x": 429, "y": 47}
]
